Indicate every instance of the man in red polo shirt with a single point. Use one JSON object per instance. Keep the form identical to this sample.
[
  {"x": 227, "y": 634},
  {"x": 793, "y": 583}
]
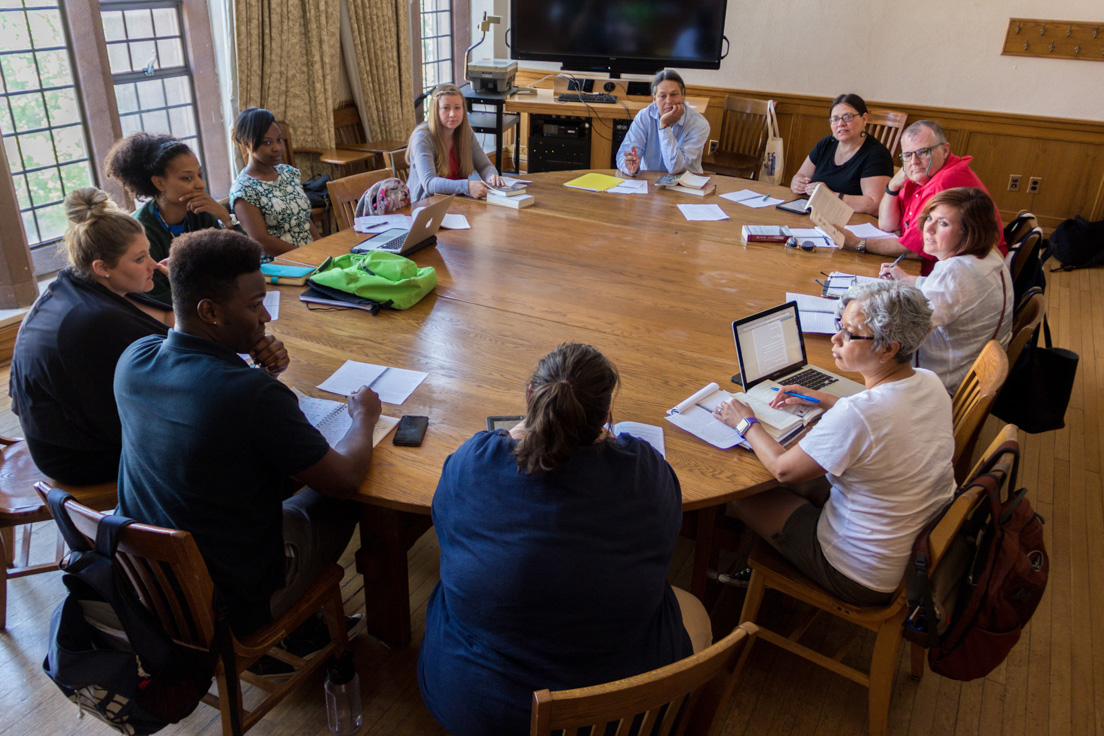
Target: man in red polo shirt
[{"x": 928, "y": 167}]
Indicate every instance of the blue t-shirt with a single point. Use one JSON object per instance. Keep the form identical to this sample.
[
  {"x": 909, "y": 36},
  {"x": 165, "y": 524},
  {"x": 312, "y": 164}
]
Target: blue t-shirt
[
  {"x": 208, "y": 445},
  {"x": 554, "y": 581}
]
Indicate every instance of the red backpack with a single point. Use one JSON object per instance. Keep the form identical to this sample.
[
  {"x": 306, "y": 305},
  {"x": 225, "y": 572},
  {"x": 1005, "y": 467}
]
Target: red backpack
[{"x": 971, "y": 612}]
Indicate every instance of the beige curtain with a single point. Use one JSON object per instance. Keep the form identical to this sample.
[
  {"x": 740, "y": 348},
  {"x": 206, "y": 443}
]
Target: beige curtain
[
  {"x": 288, "y": 52},
  {"x": 381, "y": 42}
]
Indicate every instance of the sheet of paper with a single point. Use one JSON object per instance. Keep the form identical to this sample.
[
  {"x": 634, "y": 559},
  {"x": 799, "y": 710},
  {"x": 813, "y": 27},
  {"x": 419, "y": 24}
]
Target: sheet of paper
[
  {"x": 395, "y": 385},
  {"x": 650, "y": 433},
  {"x": 741, "y": 195},
  {"x": 694, "y": 181},
  {"x": 455, "y": 222},
  {"x": 702, "y": 212},
  {"x": 272, "y": 304},
  {"x": 868, "y": 230},
  {"x": 760, "y": 202},
  {"x": 700, "y": 423},
  {"x": 818, "y": 315},
  {"x": 510, "y": 182},
  {"x": 379, "y": 223},
  {"x": 630, "y": 186},
  {"x": 332, "y": 419}
]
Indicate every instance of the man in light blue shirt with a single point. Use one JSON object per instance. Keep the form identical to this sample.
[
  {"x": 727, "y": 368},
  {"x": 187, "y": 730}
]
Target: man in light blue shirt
[{"x": 667, "y": 135}]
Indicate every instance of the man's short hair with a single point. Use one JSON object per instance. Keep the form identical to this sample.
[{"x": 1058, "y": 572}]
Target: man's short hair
[
  {"x": 206, "y": 265},
  {"x": 668, "y": 74},
  {"x": 937, "y": 130}
]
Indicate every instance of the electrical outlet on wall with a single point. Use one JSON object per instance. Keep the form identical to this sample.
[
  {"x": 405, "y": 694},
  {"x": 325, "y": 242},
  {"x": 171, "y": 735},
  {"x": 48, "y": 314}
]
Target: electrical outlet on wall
[
  {"x": 1014, "y": 183},
  {"x": 1033, "y": 184},
  {"x": 713, "y": 146}
]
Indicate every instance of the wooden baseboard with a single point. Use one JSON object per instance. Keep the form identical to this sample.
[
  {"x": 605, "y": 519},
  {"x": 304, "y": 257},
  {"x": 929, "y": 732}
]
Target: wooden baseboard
[{"x": 1067, "y": 155}]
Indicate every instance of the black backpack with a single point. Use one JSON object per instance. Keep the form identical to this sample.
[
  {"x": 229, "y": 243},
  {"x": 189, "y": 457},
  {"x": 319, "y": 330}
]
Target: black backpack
[
  {"x": 1077, "y": 243},
  {"x": 972, "y": 611},
  {"x": 107, "y": 652}
]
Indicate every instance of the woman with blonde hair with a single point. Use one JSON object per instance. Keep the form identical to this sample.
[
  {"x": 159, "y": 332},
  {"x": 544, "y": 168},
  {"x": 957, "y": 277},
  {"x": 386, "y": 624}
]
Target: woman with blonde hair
[
  {"x": 444, "y": 153},
  {"x": 63, "y": 367}
]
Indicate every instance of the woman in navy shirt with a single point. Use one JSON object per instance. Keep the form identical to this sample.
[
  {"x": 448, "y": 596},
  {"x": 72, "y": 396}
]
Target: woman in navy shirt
[{"x": 556, "y": 540}]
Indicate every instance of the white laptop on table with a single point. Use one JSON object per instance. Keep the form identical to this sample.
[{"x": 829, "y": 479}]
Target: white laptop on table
[
  {"x": 422, "y": 232},
  {"x": 771, "y": 349}
]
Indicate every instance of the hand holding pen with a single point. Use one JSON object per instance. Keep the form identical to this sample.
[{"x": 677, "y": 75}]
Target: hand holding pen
[
  {"x": 888, "y": 270},
  {"x": 799, "y": 395}
]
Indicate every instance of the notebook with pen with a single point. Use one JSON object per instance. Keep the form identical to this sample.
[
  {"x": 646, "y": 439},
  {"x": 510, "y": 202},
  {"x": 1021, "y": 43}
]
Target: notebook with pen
[{"x": 770, "y": 349}]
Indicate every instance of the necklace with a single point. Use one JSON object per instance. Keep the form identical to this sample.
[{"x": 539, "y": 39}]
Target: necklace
[
  {"x": 889, "y": 376},
  {"x": 168, "y": 229}
]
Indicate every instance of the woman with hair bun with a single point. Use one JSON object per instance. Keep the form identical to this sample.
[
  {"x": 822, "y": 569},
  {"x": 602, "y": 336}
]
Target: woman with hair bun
[
  {"x": 63, "y": 367},
  {"x": 854, "y": 165},
  {"x": 556, "y": 540},
  {"x": 165, "y": 171}
]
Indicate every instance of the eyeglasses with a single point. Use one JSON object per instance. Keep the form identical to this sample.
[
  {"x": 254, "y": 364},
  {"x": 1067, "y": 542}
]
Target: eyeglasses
[
  {"x": 920, "y": 153},
  {"x": 847, "y": 117},
  {"x": 848, "y": 336}
]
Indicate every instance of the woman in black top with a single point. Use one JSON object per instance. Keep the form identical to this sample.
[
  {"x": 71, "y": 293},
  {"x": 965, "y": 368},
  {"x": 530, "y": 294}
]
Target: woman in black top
[
  {"x": 163, "y": 170},
  {"x": 63, "y": 368},
  {"x": 849, "y": 162}
]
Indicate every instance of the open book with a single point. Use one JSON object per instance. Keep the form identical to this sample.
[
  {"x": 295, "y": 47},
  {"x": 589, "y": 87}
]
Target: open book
[
  {"x": 688, "y": 183},
  {"x": 828, "y": 212},
  {"x": 650, "y": 433},
  {"x": 695, "y": 415},
  {"x": 332, "y": 419}
]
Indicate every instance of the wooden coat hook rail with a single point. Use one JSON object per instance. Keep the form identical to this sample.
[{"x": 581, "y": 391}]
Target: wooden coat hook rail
[{"x": 1054, "y": 39}]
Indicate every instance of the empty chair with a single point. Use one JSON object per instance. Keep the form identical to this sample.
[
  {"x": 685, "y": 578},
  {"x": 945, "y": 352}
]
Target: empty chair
[
  {"x": 347, "y": 191},
  {"x": 886, "y": 126},
  {"x": 172, "y": 581},
  {"x": 770, "y": 571},
  {"x": 742, "y": 140},
  {"x": 396, "y": 161},
  {"x": 681, "y": 698},
  {"x": 972, "y": 401}
]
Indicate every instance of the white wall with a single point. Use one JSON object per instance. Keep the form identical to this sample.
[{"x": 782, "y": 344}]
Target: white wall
[{"x": 943, "y": 53}]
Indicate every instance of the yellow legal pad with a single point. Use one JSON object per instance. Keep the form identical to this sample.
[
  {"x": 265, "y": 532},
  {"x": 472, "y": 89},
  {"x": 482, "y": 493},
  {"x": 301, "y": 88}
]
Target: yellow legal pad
[{"x": 594, "y": 182}]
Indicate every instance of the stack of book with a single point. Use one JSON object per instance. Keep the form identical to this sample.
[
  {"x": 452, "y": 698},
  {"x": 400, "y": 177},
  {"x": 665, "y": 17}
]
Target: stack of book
[
  {"x": 765, "y": 233},
  {"x": 688, "y": 183},
  {"x": 510, "y": 195}
]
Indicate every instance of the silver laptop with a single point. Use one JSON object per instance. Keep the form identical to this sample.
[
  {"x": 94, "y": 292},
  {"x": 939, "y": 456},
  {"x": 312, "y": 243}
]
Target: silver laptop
[
  {"x": 771, "y": 347},
  {"x": 422, "y": 232}
]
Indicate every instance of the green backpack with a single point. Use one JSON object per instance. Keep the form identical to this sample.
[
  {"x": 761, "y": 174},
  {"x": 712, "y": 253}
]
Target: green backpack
[{"x": 384, "y": 278}]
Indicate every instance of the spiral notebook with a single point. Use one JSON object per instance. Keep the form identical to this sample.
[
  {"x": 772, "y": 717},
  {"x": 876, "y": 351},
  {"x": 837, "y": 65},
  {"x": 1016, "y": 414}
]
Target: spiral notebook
[{"x": 332, "y": 419}]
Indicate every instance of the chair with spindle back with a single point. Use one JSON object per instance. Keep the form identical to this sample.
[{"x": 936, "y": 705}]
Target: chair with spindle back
[
  {"x": 742, "y": 141},
  {"x": 972, "y": 402},
  {"x": 682, "y": 698},
  {"x": 171, "y": 579},
  {"x": 347, "y": 191},
  {"x": 886, "y": 126}
]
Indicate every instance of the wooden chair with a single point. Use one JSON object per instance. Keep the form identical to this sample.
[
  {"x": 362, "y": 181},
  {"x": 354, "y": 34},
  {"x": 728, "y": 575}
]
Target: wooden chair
[
  {"x": 1028, "y": 316},
  {"x": 973, "y": 400},
  {"x": 743, "y": 139},
  {"x": 681, "y": 698},
  {"x": 171, "y": 579},
  {"x": 396, "y": 161},
  {"x": 20, "y": 507},
  {"x": 347, "y": 191},
  {"x": 1021, "y": 250},
  {"x": 769, "y": 570},
  {"x": 886, "y": 126},
  {"x": 1019, "y": 226}
]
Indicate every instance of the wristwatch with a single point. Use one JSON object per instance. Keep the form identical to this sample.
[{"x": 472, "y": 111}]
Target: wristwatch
[
  {"x": 745, "y": 424},
  {"x": 861, "y": 247}
]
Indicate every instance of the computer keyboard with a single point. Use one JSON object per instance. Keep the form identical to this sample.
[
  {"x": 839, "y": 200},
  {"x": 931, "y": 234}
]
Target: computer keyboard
[
  {"x": 598, "y": 97},
  {"x": 811, "y": 378}
]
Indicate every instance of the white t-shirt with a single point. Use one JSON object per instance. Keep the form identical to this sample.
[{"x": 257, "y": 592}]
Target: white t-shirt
[
  {"x": 966, "y": 299},
  {"x": 888, "y": 454}
]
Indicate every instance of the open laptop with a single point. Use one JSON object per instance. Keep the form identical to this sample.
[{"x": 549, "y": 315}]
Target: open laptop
[
  {"x": 422, "y": 232},
  {"x": 771, "y": 347}
]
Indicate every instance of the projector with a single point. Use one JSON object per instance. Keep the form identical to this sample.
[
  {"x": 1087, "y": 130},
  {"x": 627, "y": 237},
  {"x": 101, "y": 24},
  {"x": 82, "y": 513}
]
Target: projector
[{"x": 492, "y": 75}]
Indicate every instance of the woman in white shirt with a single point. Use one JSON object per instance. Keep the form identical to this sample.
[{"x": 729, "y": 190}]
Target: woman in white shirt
[
  {"x": 863, "y": 482},
  {"x": 969, "y": 289}
]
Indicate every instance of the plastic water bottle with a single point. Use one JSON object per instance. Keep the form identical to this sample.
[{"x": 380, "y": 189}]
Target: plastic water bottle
[{"x": 343, "y": 696}]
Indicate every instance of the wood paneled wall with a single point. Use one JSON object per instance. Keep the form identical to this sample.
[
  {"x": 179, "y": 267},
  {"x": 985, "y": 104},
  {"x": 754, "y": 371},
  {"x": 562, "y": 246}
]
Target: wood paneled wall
[{"x": 1068, "y": 155}]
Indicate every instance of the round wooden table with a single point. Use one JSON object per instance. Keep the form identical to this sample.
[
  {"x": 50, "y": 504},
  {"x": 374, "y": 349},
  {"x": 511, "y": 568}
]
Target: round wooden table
[{"x": 627, "y": 274}]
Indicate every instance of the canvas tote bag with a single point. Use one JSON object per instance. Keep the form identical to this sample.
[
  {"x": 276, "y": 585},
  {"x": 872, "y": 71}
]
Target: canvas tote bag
[{"x": 770, "y": 172}]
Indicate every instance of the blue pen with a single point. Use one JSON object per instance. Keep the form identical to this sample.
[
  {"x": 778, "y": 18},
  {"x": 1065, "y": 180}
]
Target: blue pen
[{"x": 799, "y": 396}]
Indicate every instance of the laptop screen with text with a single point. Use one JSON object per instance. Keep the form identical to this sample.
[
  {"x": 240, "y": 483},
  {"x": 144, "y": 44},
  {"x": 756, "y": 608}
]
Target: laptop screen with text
[{"x": 769, "y": 344}]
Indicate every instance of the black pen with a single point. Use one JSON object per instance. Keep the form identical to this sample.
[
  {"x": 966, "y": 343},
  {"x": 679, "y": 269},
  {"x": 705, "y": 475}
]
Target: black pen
[{"x": 887, "y": 275}]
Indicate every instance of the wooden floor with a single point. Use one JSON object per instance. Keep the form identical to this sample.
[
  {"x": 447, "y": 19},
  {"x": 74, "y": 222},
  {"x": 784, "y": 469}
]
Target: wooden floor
[{"x": 1053, "y": 682}]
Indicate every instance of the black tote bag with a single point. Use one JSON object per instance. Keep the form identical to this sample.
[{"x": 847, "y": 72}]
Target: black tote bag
[{"x": 1037, "y": 393}]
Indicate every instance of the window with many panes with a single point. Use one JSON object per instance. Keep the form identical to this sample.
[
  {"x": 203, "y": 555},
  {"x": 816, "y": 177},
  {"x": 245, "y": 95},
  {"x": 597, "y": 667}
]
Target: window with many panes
[
  {"x": 40, "y": 117},
  {"x": 153, "y": 84},
  {"x": 436, "y": 43}
]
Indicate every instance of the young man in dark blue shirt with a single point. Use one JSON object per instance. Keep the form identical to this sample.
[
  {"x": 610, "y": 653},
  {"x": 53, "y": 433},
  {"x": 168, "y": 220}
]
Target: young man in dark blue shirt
[{"x": 209, "y": 442}]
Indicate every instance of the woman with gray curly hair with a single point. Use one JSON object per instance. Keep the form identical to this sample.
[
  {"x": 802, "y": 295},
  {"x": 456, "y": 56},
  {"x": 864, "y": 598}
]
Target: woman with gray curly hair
[{"x": 859, "y": 486}]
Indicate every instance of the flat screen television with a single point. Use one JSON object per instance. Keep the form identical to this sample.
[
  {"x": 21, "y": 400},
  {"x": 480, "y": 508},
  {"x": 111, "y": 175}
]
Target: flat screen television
[{"x": 619, "y": 35}]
